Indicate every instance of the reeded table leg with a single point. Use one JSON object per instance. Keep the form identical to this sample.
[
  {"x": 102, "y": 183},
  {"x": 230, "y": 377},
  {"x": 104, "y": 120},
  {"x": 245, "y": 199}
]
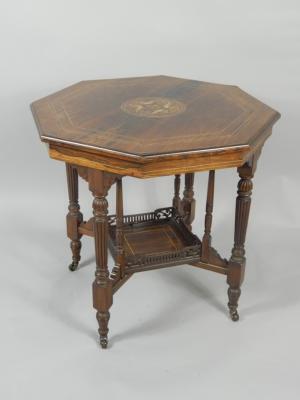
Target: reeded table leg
[
  {"x": 74, "y": 216},
  {"x": 99, "y": 184},
  {"x": 237, "y": 261}
]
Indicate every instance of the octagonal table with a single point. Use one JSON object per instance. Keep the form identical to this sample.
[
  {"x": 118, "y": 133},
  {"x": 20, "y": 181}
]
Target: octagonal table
[{"x": 148, "y": 127}]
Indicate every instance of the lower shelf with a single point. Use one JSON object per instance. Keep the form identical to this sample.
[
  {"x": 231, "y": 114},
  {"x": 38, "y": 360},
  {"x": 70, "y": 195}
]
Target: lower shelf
[
  {"x": 155, "y": 240},
  {"x": 158, "y": 239}
]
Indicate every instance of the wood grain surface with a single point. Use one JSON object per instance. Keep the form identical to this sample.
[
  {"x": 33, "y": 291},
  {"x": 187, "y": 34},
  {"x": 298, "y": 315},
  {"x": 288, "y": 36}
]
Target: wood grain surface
[{"x": 150, "y": 119}]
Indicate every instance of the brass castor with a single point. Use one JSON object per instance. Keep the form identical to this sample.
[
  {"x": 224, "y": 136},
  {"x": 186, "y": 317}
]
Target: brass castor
[
  {"x": 73, "y": 266},
  {"x": 233, "y": 295},
  {"x": 234, "y": 315},
  {"x": 103, "y": 343}
]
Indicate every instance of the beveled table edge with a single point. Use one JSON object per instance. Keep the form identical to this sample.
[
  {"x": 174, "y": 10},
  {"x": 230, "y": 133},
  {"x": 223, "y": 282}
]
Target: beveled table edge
[{"x": 175, "y": 164}]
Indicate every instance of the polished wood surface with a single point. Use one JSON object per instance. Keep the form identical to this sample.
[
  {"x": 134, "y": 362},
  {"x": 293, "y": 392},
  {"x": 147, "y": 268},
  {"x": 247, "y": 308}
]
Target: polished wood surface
[
  {"x": 238, "y": 260},
  {"x": 74, "y": 216},
  {"x": 206, "y": 240},
  {"x": 133, "y": 124},
  {"x": 147, "y": 127},
  {"x": 152, "y": 239}
]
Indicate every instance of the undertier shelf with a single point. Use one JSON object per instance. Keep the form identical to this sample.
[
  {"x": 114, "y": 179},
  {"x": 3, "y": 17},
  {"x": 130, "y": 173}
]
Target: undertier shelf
[{"x": 154, "y": 240}]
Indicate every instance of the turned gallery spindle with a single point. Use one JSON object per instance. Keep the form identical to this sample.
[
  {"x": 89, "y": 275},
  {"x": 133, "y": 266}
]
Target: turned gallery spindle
[
  {"x": 74, "y": 216},
  {"x": 237, "y": 260},
  {"x": 206, "y": 240}
]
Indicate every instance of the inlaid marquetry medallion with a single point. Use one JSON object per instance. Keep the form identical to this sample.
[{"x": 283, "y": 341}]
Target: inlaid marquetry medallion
[{"x": 153, "y": 107}]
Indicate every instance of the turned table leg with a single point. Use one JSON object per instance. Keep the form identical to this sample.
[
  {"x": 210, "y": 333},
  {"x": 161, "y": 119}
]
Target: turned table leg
[
  {"x": 74, "y": 216},
  {"x": 238, "y": 260},
  {"x": 118, "y": 270},
  {"x": 206, "y": 240},
  {"x": 188, "y": 201},
  {"x": 99, "y": 184},
  {"x": 176, "y": 198}
]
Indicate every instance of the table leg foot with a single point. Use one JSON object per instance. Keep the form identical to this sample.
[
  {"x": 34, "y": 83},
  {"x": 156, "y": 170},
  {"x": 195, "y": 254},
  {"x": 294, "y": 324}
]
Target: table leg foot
[
  {"x": 75, "y": 247},
  {"x": 103, "y": 318},
  {"x": 103, "y": 343},
  {"x": 233, "y": 296}
]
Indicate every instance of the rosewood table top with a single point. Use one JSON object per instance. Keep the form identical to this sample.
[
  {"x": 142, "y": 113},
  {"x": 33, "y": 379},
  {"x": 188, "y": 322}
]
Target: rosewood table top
[{"x": 151, "y": 126}]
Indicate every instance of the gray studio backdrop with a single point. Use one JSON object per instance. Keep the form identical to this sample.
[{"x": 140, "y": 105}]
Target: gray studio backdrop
[{"x": 170, "y": 334}]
